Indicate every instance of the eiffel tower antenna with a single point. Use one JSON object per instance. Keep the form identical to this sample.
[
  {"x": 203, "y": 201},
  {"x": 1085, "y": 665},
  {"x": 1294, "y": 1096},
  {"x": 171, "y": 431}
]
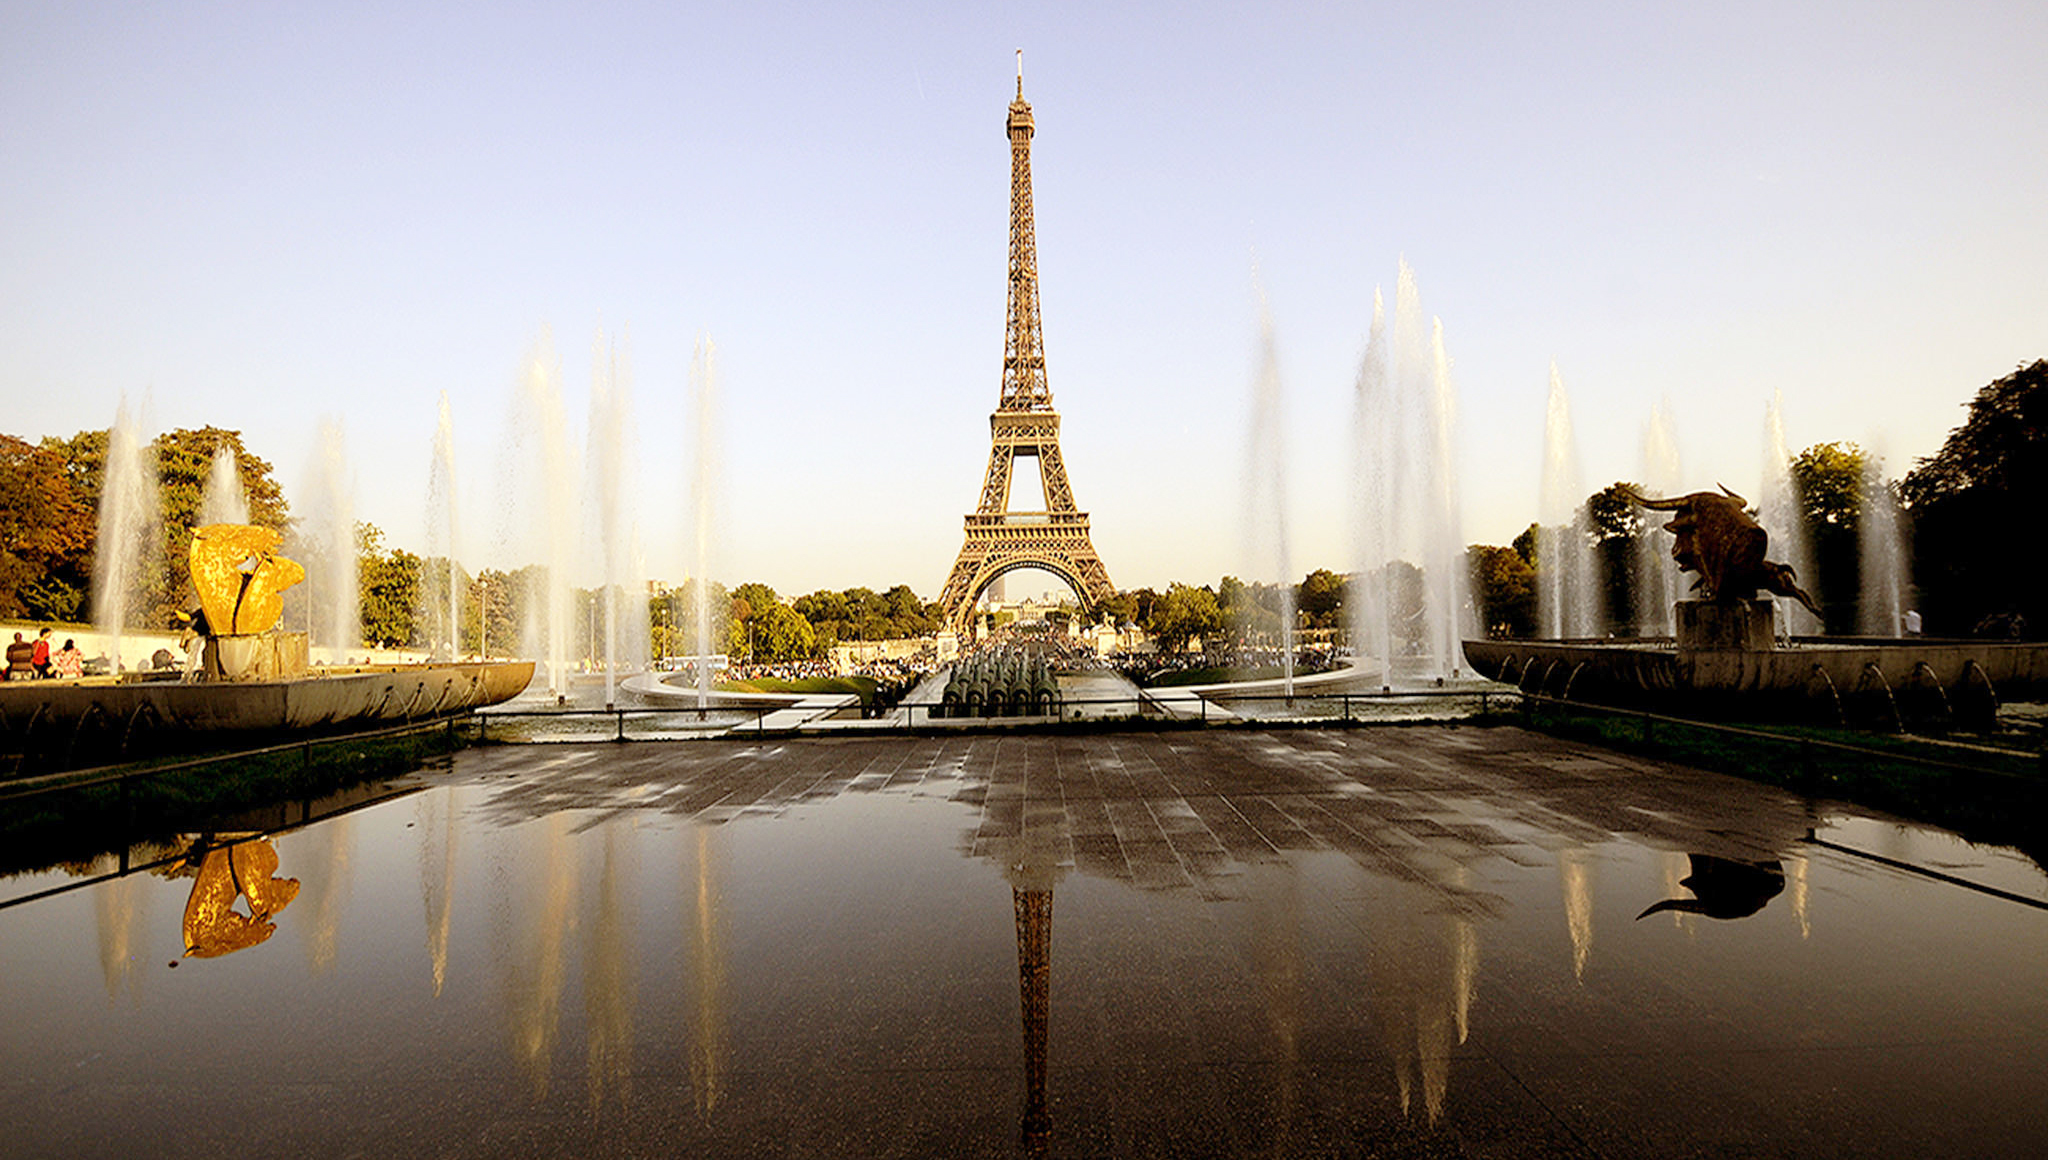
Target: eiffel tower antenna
[{"x": 1024, "y": 425}]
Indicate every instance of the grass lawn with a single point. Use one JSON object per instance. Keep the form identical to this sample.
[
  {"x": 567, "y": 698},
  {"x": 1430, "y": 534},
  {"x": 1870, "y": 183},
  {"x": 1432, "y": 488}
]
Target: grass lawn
[{"x": 863, "y": 687}]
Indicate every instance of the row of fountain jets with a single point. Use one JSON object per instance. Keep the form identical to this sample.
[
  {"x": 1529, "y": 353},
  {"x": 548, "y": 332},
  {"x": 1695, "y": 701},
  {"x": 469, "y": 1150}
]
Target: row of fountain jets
[
  {"x": 542, "y": 522},
  {"x": 1410, "y": 607}
]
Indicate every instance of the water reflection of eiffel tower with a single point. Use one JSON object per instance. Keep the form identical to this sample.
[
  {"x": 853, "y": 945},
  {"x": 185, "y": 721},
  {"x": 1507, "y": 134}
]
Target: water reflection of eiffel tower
[
  {"x": 1034, "y": 987},
  {"x": 1024, "y": 426}
]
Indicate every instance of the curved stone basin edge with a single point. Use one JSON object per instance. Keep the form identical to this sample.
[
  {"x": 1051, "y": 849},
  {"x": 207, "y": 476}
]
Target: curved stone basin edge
[{"x": 380, "y": 693}]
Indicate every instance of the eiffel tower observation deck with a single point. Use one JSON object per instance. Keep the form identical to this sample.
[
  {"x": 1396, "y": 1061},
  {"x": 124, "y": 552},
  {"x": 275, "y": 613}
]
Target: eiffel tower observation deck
[{"x": 1023, "y": 426}]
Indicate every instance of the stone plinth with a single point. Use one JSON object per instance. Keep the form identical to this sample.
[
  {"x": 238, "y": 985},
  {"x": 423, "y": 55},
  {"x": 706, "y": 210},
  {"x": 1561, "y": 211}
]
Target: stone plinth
[
  {"x": 263, "y": 656},
  {"x": 1724, "y": 626}
]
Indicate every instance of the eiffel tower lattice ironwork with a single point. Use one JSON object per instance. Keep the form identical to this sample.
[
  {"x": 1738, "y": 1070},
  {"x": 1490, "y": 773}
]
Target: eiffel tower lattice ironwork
[{"x": 1024, "y": 425}]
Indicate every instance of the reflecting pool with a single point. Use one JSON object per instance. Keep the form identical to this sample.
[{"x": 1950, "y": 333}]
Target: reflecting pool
[{"x": 1409, "y": 941}]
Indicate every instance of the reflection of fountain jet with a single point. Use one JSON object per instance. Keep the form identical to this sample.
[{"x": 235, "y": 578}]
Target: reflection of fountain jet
[
  {"x": 1675, "y": 868},
  {"x": 116, "y": 911},
  {"x": 608, "y": 989},
  {"x": 1425, "y": 961},
  {"x": 1575, "y": 873},
  {"x": 1276, "y": 955},
  {"x": 437, "y": 875},
  {"x": 227, "y": 873},
  {"x": 534, "y": 999},
  {"x": 1725, "y": 888},
  {"x": 1795, "y": 874},
  {"x": 705, "y": 942},
  {"x": 330, "y": 894}
]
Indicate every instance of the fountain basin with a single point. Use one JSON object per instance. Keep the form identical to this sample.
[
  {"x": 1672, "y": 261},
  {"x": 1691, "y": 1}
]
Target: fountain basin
[
  {"x": 1832, "y": 679},
  {"x": 32, "y": 711}
]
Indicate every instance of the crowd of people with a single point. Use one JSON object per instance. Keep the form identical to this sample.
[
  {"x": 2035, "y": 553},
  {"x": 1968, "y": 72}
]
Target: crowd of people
[
  {"x": 37, "y": 660},
  {"x": 1149, "y": 668}
]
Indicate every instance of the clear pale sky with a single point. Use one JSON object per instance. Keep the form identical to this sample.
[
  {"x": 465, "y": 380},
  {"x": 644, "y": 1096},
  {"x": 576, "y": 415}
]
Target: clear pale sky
[{"x": 260, "y": 214}]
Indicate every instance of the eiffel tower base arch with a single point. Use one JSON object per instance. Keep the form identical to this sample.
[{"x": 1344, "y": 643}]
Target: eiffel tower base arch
[{"x": 980, "y": 565}]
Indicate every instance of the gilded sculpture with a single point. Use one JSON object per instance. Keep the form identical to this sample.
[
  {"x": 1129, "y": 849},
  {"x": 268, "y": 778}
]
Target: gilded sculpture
[{"x": 240, "y": 578}]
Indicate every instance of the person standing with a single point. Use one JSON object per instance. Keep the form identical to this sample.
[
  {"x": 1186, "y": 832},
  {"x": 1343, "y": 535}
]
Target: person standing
[
  {"x": 69, "y": 661},
  {"x": 39, "y": 656}
]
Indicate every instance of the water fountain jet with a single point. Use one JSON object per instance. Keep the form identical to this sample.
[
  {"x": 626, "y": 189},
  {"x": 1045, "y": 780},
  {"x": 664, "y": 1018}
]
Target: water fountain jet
[{"x": 130, "y": 535}]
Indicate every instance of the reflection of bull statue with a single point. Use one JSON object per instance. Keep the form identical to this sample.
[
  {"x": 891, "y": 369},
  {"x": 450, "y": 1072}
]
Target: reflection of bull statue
[
  {"x": 1717, "y": 539},
  {"x": 1724, "y": 888}
]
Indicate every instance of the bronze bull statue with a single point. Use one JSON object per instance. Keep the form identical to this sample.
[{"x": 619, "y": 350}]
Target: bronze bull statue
[{"x": 1717, "y": 539}]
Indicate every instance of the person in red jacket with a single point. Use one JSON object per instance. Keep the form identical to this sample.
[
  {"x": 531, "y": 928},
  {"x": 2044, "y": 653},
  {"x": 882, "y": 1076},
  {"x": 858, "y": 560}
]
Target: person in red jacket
[{"x": 39, "y": 656}]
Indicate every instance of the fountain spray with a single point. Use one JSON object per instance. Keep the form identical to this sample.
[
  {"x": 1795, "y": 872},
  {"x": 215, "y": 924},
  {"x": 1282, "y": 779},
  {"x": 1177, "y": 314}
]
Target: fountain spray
[
  {"x": 704, "y": 386},
  {"x": 130, "y": 526},
  {"x": 1265, "y": 492},
  {"x": 444, "y": 616}
]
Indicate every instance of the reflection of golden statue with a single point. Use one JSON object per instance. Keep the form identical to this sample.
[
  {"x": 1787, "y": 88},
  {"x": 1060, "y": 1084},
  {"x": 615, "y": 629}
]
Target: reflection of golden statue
[
  {"x": 245, "y": 869},
  {"x": 240, "y": 577}
]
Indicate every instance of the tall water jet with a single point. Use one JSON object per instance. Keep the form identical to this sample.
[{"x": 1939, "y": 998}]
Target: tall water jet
[
  {"x": 1783, "y": 517},
  {"x": 1564, "y": 557},
  {"x": 224, "y": 501},
  {"x": 540, "y": 483},
  {"x": 1410, "y": 588},
  {"x": 1449, "y": 615},
  {"x": 441, "y": 617},
  {"x": 1656, "y": 573},
  {"x": 704, "y": 390},
  {"x": 1881, "y": 556},
  {"x": 1265, "y": 523},
  {"x": 610, "y": 465},
  {"x": 326, "y": 541},
  {"x": 130, "y": 536},
  {"x": 1371, "y": 441}
]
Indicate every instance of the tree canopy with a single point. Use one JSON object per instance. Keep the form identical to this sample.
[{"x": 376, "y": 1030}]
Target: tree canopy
[
  {"x": 46, "y": 533},
  {"x": 1974, "y": 505},
  {"x": 1504, "y": 588},
  {"x": 1184, "y": 613}
]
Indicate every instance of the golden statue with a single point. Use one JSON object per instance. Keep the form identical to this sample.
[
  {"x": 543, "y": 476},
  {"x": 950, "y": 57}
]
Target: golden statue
[
  {"x": 240, "y": 577},
  {"x": 241, "y": 869}
]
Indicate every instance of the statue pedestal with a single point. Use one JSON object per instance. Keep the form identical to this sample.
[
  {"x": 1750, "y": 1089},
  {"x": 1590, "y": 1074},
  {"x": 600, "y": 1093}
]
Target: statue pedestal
[
  {"x": 263, "y": 656},
  {"x": 1724, "y": 626}
]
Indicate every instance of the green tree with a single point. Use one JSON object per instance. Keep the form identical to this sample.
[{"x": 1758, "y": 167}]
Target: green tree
[
  {"x": 763, "y": 628},
  {"x": 1828, "y": 479},
  {"x": 184, "y": 460},
  {"x": 1525, "y": 544},
  {"x": 1504, "y": 587},
  {"x": 46, "y": 534},
  {"x": 1614, "y": 522},
  {"x": 391, "y": 590},
  {"x": 1321, "y": 596},
  {"x": 1183, "y": 613},
  {"x": 491, "y": 613},
  {"x": 1974, "y": 502},
  {"x": 1120, "y": 609}
]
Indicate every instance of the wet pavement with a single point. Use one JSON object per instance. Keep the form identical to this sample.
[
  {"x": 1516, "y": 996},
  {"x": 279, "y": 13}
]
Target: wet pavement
[{"x": 1426, "y": 941}]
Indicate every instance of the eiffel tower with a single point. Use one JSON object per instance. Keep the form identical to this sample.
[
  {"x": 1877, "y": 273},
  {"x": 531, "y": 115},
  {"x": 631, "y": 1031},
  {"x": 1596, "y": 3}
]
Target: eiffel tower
[{"x": 1024, "y": 425}]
